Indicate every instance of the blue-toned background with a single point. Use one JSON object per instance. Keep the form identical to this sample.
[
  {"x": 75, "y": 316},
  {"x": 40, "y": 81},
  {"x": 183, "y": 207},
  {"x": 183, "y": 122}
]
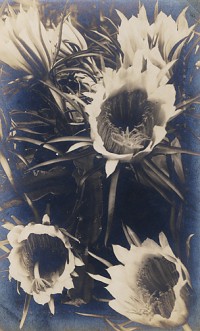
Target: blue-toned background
[{"x": 39, "y": 317}]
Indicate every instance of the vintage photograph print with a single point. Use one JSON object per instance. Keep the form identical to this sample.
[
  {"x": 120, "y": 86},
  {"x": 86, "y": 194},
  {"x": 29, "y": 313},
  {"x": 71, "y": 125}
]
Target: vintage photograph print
[{"x": 99, "y": 165}]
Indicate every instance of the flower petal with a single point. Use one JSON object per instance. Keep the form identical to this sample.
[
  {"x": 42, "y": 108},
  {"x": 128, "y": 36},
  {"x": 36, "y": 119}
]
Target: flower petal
[
  {"x": 121, "y": 253},
  {"x": 111, "y": 166}
]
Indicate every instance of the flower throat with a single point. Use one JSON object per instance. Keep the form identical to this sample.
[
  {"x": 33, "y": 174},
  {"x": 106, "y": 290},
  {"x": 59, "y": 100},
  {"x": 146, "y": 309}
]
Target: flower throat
[{"x": 126, "y": 123}]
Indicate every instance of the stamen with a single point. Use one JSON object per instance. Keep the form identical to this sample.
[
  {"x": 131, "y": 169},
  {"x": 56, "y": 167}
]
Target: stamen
[
  {"x": 131, "y": 141},
  {"x": 39, "y": 284}
]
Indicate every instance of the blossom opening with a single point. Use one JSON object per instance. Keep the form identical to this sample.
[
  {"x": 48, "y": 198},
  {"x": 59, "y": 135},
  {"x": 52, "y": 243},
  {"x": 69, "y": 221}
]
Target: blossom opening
[{"x": 126, "y": 122}]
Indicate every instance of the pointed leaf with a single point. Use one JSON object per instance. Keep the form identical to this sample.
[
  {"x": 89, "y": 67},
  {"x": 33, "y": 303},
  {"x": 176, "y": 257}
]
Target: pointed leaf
[
  {"x": 36, "y": 142},
  {"x": 105, "y": 262},
  {"x": 163, "y": 177},
  {"x": 70, "y": 138},
  {"x": 25, "y": 310},
  {"x": 71, "y": 156},
  {"x": 6, "y": 167},
  {"x": 150, "y": 181},
  {"x": 162, "y": 149},
  {"x": 188, "y": 245},
  {"x": 156, "y": 11},
  {"x": 111, "y": 202},
  {"x": 131, "y": 236}
]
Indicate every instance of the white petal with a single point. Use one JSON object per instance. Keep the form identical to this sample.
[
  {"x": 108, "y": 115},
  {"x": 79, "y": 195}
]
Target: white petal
[
  {"x": 51, "y": 306},
  {"x": 100, "y": 278},
  {"x": 117, "y": 273},
  {"x": 163, "y": 240},
  {"x": 14, "y": 234},
  {"x": 159, "y": 134},
  {"x": 132, "y": 313},
  {"x": 121, "y": 253},
  {"x": 164, "y": 94},
  {"x": 78, "y": 262},
  {"x": 150, "y": 244},
  {"x": 42, "y": 297},
  {"x": 111, "y": 166},
  {"x": 181, "y": 21}
]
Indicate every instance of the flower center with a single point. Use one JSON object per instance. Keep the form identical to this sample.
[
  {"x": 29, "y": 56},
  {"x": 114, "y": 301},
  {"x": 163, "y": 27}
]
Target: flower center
[
  {"x": 44, "y": 258},
  {"x": 126, "y": 122},
  {"x": 156, "y": 281}
]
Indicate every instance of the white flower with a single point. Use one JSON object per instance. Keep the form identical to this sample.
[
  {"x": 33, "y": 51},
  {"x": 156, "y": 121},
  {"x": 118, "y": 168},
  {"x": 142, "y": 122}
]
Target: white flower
[
  {"x": 28, "y": 46},
  {"x": 42, "y": 261},
  {"x": 150, "y": 286},
  {"x": 157, "y": 39},
  {"x": 25, "y": 44},
  {"x": 130, "y": 110}
]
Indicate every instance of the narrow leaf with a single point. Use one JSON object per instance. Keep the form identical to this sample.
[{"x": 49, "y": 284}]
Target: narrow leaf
[
  {"x": 89, "y": 173},
  {"x": 188, "y": 245},
  {"x": 100, "y": 259},
  {"x": 10, "y": 204},
  {"x": 63, "y": 95},
  {"x": 163, "y": 177},
  {"x": 30, "y": 204},
  {"x": 16, "y": 220},
  {"x": 8, "y": 226},
  {"x": 160, "y": 149},
  {"x": 151, "y": 183},
  {"x": 69, "y": 138},
  {"x": 131, "y": 236},
  {"x": 36, "y": 142},
  {"x": 156, "y": 10},
  {"x": 100, "y": 44},
  {"x": 6, "y": 167},
  {"x": 71, "y": 156},
  {"x": 2, "y": 246},
  {"x": 25, "y": 310},
  {"x": 78, "y": 146},
  {"x": 20, "y": 157},
  {"x": 186, "y": 103},
  {"x": 76, "y": 69},
  {"x": 111, "y": 202}
]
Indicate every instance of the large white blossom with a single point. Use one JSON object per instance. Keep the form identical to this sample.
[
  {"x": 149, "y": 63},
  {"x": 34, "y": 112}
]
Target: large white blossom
[
  {"x": 150, "y": 286},
  {"x": 159, "y": 39},
  {"x": 130, "y": 110},
  {"x": 41, "y": 260}
]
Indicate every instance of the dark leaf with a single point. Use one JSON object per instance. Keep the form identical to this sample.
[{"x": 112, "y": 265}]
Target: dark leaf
[{"x": 111, "y": 202}]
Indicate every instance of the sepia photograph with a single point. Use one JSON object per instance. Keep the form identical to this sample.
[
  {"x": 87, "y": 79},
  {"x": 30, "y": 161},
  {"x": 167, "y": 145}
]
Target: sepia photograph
[{"x": 99, "y": 165}]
